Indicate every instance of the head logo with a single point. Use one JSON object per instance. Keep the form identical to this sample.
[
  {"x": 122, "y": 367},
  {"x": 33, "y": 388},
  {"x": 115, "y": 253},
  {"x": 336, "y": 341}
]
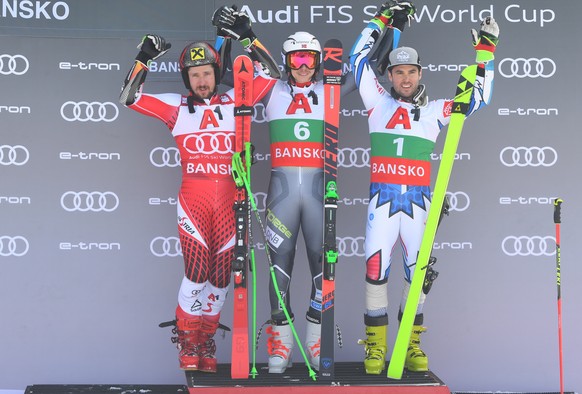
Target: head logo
[
  {"x": 527, "y": 68},
  {"x": 13, "y": 65},
  {"x": 534, "y": 156},
  {"x": 84, "y": 111}
]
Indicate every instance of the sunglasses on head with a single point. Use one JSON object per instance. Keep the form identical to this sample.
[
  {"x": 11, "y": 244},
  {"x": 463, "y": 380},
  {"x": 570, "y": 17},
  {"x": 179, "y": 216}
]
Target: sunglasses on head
[{"x": 297, "y": 59}]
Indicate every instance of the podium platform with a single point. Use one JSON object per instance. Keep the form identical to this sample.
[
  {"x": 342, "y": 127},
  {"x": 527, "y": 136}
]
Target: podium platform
[{"x": 349, "y": 378}]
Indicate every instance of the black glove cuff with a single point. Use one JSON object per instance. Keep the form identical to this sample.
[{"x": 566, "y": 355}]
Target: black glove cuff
[
  {"x": 143, "y": 57},
  {"x": 249, "y": 34},
  {"x": 399, "y": 20}
]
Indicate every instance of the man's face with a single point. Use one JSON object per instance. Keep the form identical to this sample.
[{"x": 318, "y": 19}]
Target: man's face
[
  {"x": 303, "y": 74},
  {"x": 202, "y": 80},
  {"x": 405, "y": 79}
]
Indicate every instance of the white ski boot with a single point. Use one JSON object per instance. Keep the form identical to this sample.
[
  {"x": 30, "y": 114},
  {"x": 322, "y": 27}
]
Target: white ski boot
[{"x": 280, "y": 347}]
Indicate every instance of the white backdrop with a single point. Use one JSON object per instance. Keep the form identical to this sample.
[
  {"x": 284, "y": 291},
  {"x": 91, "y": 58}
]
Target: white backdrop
[{"x": 83, "y": 284}]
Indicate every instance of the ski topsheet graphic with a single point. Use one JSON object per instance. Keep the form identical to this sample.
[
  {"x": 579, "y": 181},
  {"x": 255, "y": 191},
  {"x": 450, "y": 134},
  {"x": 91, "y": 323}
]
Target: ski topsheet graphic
[
  {"x": 243, "y": 90},
  {"x": 332, "y": 79}
]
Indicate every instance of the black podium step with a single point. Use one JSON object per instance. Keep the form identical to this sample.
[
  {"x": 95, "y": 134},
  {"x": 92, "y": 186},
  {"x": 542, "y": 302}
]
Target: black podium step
[{"x": 349, "y": 378}]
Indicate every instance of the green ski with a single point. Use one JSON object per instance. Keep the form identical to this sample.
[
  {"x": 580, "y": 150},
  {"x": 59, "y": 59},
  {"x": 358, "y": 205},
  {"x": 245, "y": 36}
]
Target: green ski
[{"x": 460, "y": 108}]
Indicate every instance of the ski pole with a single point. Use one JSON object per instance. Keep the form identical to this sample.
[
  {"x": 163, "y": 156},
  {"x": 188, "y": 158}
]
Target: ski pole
[
  {"x": 238, "y": 166},
  {"x": 557, "y": 220},
  {"x": 249, "y": 157}
]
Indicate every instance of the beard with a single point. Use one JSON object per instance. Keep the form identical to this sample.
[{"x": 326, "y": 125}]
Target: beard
[{"x": 204, "y": 92}]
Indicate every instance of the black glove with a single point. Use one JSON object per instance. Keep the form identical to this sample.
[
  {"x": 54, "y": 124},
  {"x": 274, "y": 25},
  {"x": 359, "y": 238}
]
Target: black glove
[
  {"x": 233, "y": 23},
  {"x": 389, "y": 8},
  {"x": 152, "y": 47},
  {"x": 403, "y": 14},
  {"x": 223, "y": 16}
]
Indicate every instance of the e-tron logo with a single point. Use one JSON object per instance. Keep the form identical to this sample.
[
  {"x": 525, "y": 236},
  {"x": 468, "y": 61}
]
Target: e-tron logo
[
  {"x": 94, "y": 111},
  {"x": 527, "y": 68},
  {"x": 89, "y": 201},
  {"x": 13, "y": 246},
  {"x": 458, "y": 201},
  {"x": 13, "y": 65},
  {"x": 353, "y": 157},
  {"x": 166, "y": 247},
  {"x": 209, "y": 143},
  {"x": 16, "y": 155},
  {"x": 165, "y": 157},
  {"x": 351, "y": 247},
  {"x": 534, "y": 156},
  {"x": 528, "y": 246}
]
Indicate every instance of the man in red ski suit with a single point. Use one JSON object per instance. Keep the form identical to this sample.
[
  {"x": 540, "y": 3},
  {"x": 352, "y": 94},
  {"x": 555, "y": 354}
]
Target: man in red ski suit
[{"x": 203, "y": 126}]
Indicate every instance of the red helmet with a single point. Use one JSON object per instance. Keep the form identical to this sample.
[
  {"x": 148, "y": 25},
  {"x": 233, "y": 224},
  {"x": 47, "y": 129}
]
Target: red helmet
[{"x": 196, "y": 54}]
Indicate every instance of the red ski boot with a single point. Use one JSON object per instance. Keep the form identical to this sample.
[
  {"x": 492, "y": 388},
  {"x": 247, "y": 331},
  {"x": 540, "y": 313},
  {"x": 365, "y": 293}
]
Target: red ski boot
[
  {"x": 207, "y": 350},
  {"x": 188, "y": 331}
]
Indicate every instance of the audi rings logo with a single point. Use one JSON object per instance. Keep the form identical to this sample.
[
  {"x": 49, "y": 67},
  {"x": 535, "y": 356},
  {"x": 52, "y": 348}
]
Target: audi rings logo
[
  {"x": 166, "y": 247},
  {"x": 528, "y": 246},
  {"x": 209, "y": 143},
  {"x": 16, "y": 155},
  {"x": 527, "y": 68},
  {"x": 84, "y": 111},
  {"x": 351, "y": 247},
  {"x": 354, "y": 157},
  {"x": 89, "y": 201},
  {"x": 260, "y": 201},
  {"x": 13, "y": 246},
  {"x": 165, "y": 157},
  {"x": 534, "y": 156},
  {"x": 260, "y": 115},
  {"x": 13, "y": 65},
  {"x": 458, "y": 201}
]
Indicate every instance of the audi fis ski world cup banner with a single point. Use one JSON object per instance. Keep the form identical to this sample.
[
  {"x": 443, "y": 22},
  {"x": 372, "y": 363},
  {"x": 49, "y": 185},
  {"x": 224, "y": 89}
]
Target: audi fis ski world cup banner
[{"x": 89, "y": 249}]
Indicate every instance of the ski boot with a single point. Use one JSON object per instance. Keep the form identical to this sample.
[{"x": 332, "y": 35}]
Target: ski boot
[
  {"x": 207, "y": 350},
  {"x": 416, "y": 359},
  {"x": 313, "y": 343},
  {"x": 280, "y": 347},
  {"x": 375, "y": 344},
  {"x": 188, "y": 331}
]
